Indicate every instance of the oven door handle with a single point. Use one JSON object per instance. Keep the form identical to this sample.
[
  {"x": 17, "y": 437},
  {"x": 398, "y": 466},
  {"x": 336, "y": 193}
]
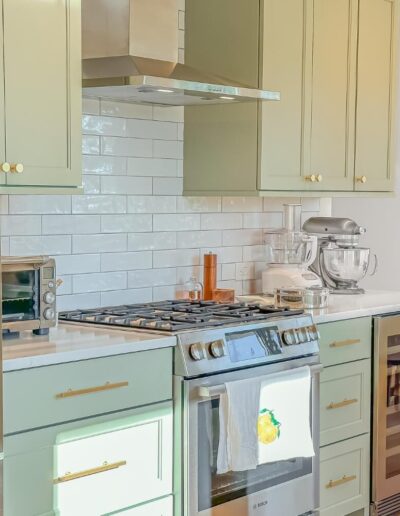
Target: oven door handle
[{"x": 205, "y": 391}]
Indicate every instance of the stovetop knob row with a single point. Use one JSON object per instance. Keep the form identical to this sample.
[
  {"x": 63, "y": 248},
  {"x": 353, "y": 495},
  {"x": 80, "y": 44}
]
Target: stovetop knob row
[{"x": 300, "y": 335}]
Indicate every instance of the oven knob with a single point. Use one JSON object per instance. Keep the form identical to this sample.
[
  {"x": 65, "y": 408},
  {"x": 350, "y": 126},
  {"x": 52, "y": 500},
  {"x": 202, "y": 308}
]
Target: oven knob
[
  {"x": 314, "y": 333},
  {"x": 49, "y": 314},
  {"x": 303, "y": 335},
  {"x": 197, "y": 351},
  {"x": 217, "y": 348},
  {"x": 289, "y": 337},
  {"x": 49, "y": 298}
]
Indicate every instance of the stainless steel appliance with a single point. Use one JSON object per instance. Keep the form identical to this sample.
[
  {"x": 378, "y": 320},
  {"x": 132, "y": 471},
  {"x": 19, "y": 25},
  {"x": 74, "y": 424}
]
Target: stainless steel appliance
[
  {"x": 130, "y": 52},
  {"x": 28, "y": 294},
  {"x": 340, "y": 261},
  {"x": 207, "y": 356},
  {"x": 386, "y": 417}
]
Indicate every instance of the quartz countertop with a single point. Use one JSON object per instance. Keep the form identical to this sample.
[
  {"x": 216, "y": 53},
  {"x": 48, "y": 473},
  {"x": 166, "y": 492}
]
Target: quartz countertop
[
  {"x": 341, "y": 307},
  {"x": 73, "y": 342}
]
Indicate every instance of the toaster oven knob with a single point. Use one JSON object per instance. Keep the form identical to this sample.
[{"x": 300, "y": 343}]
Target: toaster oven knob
[
  {"x": 289, "y": 337},
  {"x": 217, "y": 348},
  {"x": 197, "y": 351},
  {"x": 49, "y": 314},
  {"x": 49, "y": 298}
]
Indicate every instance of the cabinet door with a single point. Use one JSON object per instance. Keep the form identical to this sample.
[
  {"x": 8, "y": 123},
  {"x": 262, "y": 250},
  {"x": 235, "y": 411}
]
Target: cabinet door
[
  {"x": 333, "y": 93},
  {"x": 163, "y": 507},
  {"x": 286, "y": 67},
  {"x": 43, "y": 91},
  {"x": 2, "y": 119},
  {"x": 377, "y": 60}
]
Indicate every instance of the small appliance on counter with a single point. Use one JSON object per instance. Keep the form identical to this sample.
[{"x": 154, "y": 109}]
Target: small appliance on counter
[
  {"x": 28, "y": 294},
  {"x": 289, "y": 253},
  {"x": 340, "y": 262}
]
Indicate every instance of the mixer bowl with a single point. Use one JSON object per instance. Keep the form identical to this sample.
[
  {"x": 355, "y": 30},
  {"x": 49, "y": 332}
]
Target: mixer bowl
[
  {"x": 289, "y": 247},
  {"x": 346, "y": 266}
]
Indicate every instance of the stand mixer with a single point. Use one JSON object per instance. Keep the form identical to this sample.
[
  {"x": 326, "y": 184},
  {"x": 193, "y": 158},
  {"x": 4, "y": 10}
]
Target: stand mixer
[
  {"x": 339, "y": 261},
  {"x": 289, "y": 252}
]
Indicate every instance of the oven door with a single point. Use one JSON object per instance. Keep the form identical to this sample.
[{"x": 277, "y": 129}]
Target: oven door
[
  {"x": 20, "y": 294},
  {"x": 287, "y": 487}
]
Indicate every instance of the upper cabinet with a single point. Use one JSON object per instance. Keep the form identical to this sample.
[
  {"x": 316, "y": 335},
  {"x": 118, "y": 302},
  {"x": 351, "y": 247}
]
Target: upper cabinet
[
  {"x": 332, "y": 132},
  {"x": 40, "y": 96}
]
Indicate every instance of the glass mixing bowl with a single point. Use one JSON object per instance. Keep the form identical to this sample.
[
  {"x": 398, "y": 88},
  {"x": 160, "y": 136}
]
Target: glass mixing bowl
[
  {"x": 289, "y": 247},
  {"x": 346, "y": 266}
]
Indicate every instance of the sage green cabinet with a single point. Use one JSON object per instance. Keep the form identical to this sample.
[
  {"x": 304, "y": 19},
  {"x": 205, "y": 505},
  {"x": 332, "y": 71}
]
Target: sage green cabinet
[
  {"x": 40, "y": 95},
  {"x": 334, "y": 122}
]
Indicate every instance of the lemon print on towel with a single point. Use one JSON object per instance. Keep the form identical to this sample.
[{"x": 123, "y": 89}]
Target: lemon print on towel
[{"x": 268, "y": 427}]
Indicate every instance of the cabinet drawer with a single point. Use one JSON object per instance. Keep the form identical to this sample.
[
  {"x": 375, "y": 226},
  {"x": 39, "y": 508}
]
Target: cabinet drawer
[
  {"x": 345, "y": 401},
  {"x": 345, "y": 341},
  {"x": 60, "y": 393},
  {"x": 162, "y": 507},
  {"x": 344, "y": 476}
]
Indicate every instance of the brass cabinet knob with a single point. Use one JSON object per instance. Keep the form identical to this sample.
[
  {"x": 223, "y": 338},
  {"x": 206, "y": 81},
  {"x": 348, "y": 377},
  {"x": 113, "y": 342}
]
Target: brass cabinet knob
[
  {"x": 5, "y": 167},
  {"x": 361, "y": 179},
  {"x": 17, "y": 168},
  {"x": 311, "y": 178},
  {"x": 319, "y": 178}
]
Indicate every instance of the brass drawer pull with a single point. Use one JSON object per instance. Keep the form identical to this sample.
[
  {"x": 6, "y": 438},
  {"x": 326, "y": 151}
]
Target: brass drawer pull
[
  {"x": 341, "y": 404},
  {"x": 361, "y": 179},
  {"x": 90, "y": 390},
  {"x": 17, "y": 168},
  {"x": 5, "y": 167},
  {"x": 342, "y": 343},
  {"x": 87, "y": 472},
  {"x": 311, "y": 178},
  {"x": 340, "y": 481}
]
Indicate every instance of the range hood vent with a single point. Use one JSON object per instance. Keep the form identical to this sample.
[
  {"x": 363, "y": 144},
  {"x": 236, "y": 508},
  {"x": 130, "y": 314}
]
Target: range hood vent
[{"x": 130, "y": 52}]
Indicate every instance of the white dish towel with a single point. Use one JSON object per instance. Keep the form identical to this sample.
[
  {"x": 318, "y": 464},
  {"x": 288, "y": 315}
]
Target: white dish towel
[{"x": 265, "y": 419}]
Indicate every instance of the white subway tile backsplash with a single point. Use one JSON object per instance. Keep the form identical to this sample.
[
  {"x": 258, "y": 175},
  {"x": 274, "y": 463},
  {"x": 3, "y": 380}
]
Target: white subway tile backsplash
[
  {"x": 181, "y": 21},
  {"x": 151, "y": 204},
  {"x": 225, "y": 254},
  {"x": 162, "y": 293},
  {"x": 228, "y": 271},
  {"x": 151, "y": 129},
  {"x": 90, "y": 106},
  {"x": 99, "y": 281},
  {"x": 106, "y": 243},
  {"x": 126, "y": 223},
  {"x": 65, "y": 285},
  {"x": 104, "y": 125},
  {"x": 151, "y": 278},
  {"x": 126, "y": 185},
  {"x": 129, "y": 147},
  {"x": 262, "y": 220},
  {"x": 90, "y": 144},
  {"x": 70, "y": 224},
  {"x": 151, "y": 241},
  {"x": 34, "y": 245},
  {"x": 126, "y": 261},
  {"x": 39, "y": 204},
  {"x": 77, "y": 264},
  {"x": 5, "y": 246},
  {"x": 152, "y": 167},
  {"x": 125, "y": 109},
  {"x": 190, "y": 239},
  {"x": 176, "y": 222},
  {"x": 242, "y": 204},
  {"x": 168, "y": 113},
  {"x": 276, "y": 203},
  {"x": 310, "y": 204},
  {"x": 99, "y": 204},
  {"x": 167, "y": 149},
  {"x": 167, "y": 186},
  {"x": 91, "y": 184},
  {"x": 126, "y": 296},
  {"x": 176, "y": 258},
  {"x": 242, "y": 237},
  {"x": 106, "y": 165},
  {"x": 254, "y": 253},
  {"x": 198, "y": 204},
  {"x": 221, "y": 221},
  {"x": 20, "y": 225},
  {"x": 4, "y": 205},
  {"x": 71, "y": 302}
]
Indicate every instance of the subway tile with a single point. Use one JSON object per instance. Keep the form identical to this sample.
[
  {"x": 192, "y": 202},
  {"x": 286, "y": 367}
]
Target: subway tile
[
  {"x": 99, "y": 281},
  {"x": 91, "y": 184},
  {"x": 152, "y": 167},
  {"x": 151, "y": 278},
  {"x": 129, "y": 147},
  {"x": 34, "y": 245},
  {"x": 104, "y": 125},
  {"x": 154, "y": 130},
  {"x": 191, "y": 239},
  {"x": 176, "y": 258},
  {"x": 162, "y": 293},
  {"x": 221, "y": 221},
  {"x": 64, "y": 285},
  {"x": 234, "y": 237},
  {"x": 180, "y": 168},
  {"x": 310, "y": 204},
  {"x": 5, "y": 246},
  {"x": 168, "y": 113},
  {"x": 39, "y": 204},
  {"x": 224, "y": 254},
  {"x": 126, "y": 223},
  {"x": 126, "y": 185},
  {"x": 176, "y": 222},
  {"x": 181, "y": 20},
  {"x": 262, "y": 220},
  {"x": 245, "y": 271},
  {"x": 183, "y": 274},
  {"x": 276, "y": 203},
  {"x": 105, "y": 243},
  {"x": 106, "y": 165},
  {"x": 228, "y": 271},
  {"x": 180, "y": 132},
  {"x": 198, "y": 204},
  {"x": 90, "y": 144},
  {"x": 254, "y": 253},
  {"x": 4, "y": 204},
  {"x": 181, "y": 55},
  {"x": 99, "y": 204},
  {"x": 126, "y": 261},
  {"x": 20, "y": 225},
  {"x": 167, "y": 149},
  {"x": 151, "y": 204},
  {"x": 242, "y": 204},
  {"x": 77, "y": 264},
  {"x": 90, "y": 106},
  {"x": 151, "y": 241},
  {"x": 125, "y": 109},
  {"x": 252, "y": 287},
  {"x": 167, "y": 185},
  {"x": 181, "y": 38},
  {"x": 75, "y": 301},
  {"x": 126, "y": 296},
  {"x": 70, "y": 224}
]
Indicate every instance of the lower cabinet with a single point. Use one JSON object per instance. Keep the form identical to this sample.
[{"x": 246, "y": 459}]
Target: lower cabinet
[
  {"x": 98, "y": 466},
  {"x": 163, "y": 507},
  {"x": 344, "y": 476}
]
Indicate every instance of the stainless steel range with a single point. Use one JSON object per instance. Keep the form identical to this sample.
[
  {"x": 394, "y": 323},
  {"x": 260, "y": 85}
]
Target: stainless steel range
[{"x": 217, "y": 344}]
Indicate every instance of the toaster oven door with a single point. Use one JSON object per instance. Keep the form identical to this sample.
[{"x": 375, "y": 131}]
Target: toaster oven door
[{"x": 20, "y": 295}]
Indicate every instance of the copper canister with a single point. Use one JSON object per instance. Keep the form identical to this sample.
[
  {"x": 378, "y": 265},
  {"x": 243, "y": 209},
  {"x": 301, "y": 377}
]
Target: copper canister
[{"x": 209, "y": 276}]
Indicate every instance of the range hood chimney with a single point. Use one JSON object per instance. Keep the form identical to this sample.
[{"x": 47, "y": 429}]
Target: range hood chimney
[{"x": 130, "y": 52}]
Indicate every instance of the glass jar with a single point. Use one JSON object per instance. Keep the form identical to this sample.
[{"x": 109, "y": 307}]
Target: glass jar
[{"x": 193, "y": 289}]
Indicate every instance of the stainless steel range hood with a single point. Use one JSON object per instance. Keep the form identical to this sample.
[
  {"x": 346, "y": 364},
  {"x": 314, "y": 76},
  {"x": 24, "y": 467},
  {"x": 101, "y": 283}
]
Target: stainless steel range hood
[{"x": 130, "y": 52}]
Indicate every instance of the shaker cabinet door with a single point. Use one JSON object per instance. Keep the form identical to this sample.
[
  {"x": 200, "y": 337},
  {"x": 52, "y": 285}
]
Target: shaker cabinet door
[
  {"x": 377, "y": 60},
  {"x": 42, "y": 91}
]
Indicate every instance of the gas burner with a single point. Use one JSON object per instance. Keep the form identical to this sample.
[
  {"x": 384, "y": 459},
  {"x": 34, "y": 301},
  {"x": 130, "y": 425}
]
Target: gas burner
[{"x": 177, "y": 315}]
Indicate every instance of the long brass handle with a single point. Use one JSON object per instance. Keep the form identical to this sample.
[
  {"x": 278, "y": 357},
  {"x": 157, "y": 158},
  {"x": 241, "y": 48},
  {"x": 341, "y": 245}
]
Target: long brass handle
[
  {"x": 341, "y": 404},
  {"x": 90, "y": 390},
  {"x": 340, "y": 481},
  {"x": 342, "y": 343},
  {"x": 5, "y": 167},
  {"x": 87, "y": 472},
  {"x": 17, "y": 168},
  {"x": 361, "y": 179}
]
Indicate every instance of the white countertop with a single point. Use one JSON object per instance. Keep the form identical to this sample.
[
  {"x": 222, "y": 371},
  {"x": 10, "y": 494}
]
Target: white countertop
[
  {"x": 73, "y": 342},
  {"x": 373, "y": 302}
]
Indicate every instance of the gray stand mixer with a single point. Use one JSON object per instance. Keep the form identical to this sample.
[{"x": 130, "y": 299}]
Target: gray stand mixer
[{"x": 340, "y": 262}]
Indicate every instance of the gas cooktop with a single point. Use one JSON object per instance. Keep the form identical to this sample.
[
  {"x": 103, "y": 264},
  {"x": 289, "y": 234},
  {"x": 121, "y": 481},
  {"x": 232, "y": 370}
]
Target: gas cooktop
[{"x": 176, "y": 316}]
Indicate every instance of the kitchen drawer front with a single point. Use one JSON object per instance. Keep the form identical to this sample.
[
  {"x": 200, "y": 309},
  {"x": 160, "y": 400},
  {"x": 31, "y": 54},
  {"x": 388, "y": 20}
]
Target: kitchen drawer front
[
  {"x": 344, "y": 476},
  {"x": 345, "y": 341},
  {"x": 345, "y": 401},
  {"x": 59, "y": 393},
  {"x": 163, "y": 507}
]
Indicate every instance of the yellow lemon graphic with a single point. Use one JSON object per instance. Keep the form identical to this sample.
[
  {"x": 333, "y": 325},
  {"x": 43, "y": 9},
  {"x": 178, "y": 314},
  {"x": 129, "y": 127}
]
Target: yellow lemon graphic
[{"x": 268, "y": 427}]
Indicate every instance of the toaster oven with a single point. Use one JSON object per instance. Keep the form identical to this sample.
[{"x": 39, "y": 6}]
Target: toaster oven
[{"x": 28, "y": 294}]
